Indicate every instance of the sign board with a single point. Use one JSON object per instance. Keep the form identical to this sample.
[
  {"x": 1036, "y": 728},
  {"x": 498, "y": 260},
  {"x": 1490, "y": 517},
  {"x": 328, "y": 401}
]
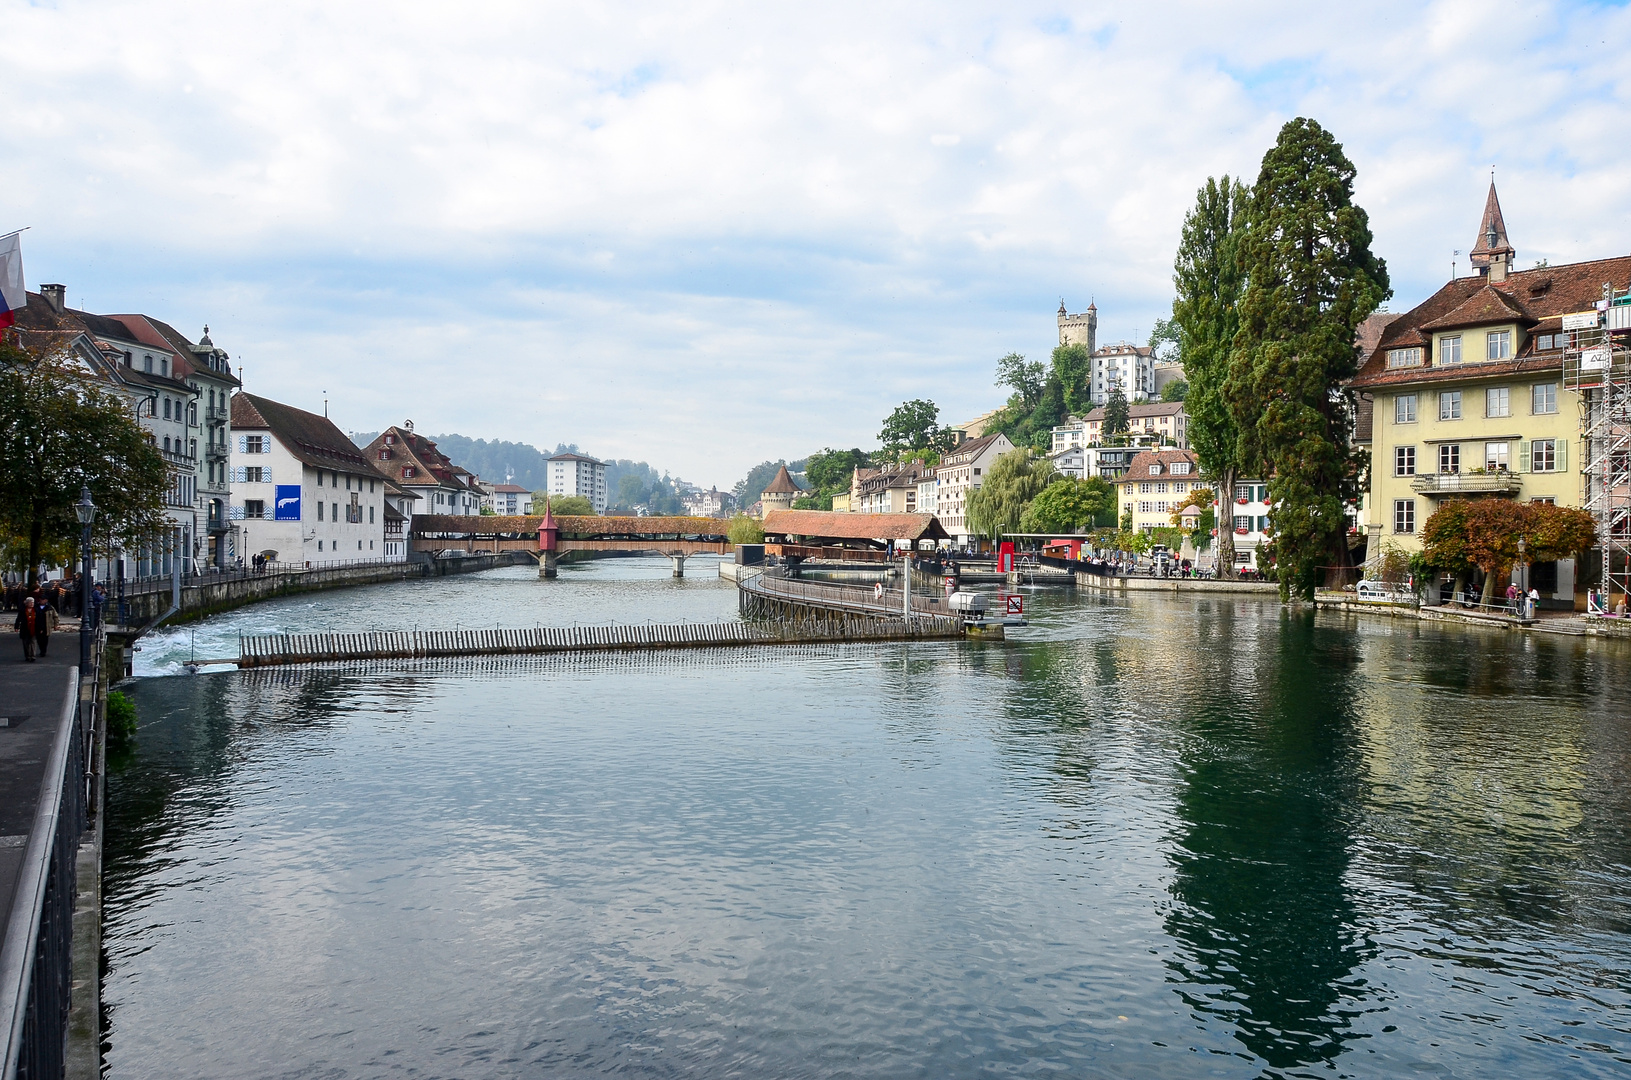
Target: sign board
[
  {"x": 287, "y": 507},
  {"x": 1016, "y": 605},
  {"x": 1580, "y": 320},
  {"x": 1596, "y": 358}
]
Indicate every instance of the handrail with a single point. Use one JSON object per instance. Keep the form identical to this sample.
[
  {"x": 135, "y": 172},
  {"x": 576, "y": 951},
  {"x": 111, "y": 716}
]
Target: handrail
[{"x": 22, "y": 932}]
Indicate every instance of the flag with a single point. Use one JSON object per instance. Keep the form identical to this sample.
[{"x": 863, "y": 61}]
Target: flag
[{"x": 12, "y": 297}]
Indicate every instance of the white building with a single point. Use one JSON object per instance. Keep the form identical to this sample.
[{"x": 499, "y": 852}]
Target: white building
[
  {"x": 506, "y": 500},
  {"x": 1131, "y": 367},
  {"x": 301, "y": 491},
  {"x": 1247, "y": 512},
  {"x": 415, "y": 464},
  {"x": 928, "y": 493},
  {"x": 578, "y": 474},
  {"x": 961, "y": 471}
]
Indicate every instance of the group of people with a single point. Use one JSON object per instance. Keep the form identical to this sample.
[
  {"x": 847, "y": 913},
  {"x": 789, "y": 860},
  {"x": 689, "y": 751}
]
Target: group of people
[
  {"x": 38, "y": 611},
  {"x": 1518, "y": 604}
]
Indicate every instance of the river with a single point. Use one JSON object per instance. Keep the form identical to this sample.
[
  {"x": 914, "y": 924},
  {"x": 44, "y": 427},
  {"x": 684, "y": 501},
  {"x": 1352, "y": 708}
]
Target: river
[{"x": 1145, "y": 837}]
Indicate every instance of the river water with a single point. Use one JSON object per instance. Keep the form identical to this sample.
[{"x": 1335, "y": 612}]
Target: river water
[{"x": 1143, "y": 838}]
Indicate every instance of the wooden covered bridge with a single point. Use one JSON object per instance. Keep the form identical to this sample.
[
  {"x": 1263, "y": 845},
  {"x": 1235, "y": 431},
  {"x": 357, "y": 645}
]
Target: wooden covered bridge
[
  {"x": 547, "y": 537},
  {"x": 829, "y": 537}
]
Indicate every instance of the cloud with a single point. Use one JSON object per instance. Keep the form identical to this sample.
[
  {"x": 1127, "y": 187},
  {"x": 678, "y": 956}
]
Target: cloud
[{"x": 707, "y": 234}]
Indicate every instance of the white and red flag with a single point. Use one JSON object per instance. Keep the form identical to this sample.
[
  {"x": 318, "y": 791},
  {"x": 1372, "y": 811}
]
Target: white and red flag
[{"x": 12, "y": 297}]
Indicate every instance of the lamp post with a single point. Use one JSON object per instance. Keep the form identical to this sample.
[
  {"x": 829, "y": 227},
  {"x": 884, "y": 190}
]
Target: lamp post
[
  {"x": 1523, "y": 579},
  {"x": 86, "y": 512}
]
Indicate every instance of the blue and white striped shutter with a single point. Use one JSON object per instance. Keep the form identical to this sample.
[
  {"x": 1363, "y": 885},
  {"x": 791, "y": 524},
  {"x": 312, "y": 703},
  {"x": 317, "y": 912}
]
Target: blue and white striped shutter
[{"x": 243, "y": 443}]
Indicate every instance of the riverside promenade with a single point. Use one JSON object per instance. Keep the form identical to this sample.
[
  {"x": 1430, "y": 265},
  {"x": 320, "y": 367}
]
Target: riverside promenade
[{"x": 43, "y": 816}]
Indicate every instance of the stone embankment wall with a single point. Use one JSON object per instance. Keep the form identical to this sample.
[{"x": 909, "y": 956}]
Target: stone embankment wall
[
  {"x": 1177, "y": 586},
  {"x": 203, "y": 596}
]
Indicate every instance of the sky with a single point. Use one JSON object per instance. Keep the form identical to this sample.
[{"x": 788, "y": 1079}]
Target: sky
[{"x": 709, "y": 234}]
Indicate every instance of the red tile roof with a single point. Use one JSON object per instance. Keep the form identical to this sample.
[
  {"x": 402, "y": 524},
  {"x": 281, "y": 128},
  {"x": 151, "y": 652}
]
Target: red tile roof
[
  {"x": 782, "y": 484},
  {"x": 1544, "y": 294},
  {"x": 312, "y": 439},
  {"x": 833, "y": 525}
]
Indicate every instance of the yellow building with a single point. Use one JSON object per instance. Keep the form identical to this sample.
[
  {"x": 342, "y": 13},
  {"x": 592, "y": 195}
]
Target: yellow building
[
  {"x": 1470, "y": 398},
  {"x": 1154, "y": 484}
]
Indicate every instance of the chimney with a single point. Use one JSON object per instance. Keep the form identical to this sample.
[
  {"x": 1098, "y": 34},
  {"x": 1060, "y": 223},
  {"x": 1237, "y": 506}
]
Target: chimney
[
  {"x": 56, "y": 296},
  {"x": 1497, "y": 265}
]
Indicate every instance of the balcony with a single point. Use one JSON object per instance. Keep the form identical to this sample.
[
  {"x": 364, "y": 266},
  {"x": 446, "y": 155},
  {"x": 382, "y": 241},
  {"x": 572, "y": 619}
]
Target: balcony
[
  {"x": 217, "y": 414},
  {"x": 214, "y": 452},
  {"x": 1440, "y": 485}
]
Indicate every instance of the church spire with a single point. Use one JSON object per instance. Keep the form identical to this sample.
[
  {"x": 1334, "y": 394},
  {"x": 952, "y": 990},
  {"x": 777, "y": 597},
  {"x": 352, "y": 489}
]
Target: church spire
[{"x": 1492, "y": 243}]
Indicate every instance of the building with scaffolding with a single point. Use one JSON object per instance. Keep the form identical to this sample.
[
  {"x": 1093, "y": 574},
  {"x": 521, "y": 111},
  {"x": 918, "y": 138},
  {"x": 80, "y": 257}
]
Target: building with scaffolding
[{"x": 1508, "y": 384}]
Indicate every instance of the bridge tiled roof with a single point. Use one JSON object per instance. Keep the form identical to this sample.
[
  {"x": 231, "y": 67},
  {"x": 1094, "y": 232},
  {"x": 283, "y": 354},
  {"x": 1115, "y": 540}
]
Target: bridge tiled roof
[
  {"x": 833, "y": 525},
  {"x": 527, "y": 524}
]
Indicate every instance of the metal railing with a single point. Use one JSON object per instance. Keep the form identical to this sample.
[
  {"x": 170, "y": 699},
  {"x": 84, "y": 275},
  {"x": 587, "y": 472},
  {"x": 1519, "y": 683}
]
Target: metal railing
[
  {"x": 36, "y": 955},
  {"x": 861, "y": 599}
]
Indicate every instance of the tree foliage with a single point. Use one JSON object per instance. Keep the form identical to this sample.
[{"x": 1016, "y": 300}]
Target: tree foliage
[
  {"x": 831, "y": 471},
  {"x": 913, "y": 430},
  {"x": 1013, "y": 480},
  {"x": 1073, "y": 369},
  {"x": 1310, "y": 280},
  {"x": 745, "y": 530},
  {"x": 1176, "y": 390},
  {"x": 1070, "y": 505},
  {"x": 563, "y": 505},
  {"x": 1208, "y": 282},
  {"x": 1024, "y": 378},
  {"x": 1117, "y": 414},
  {"x": 61, "y": 430},
  {"x": 1483, "y": 534}
]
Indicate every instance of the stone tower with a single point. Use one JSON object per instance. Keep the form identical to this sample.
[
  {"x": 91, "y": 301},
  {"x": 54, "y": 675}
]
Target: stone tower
[
  {"x": 780, "y": 493},
  {"x": 1080, "y": 329},
  {"x": 1492, "y": 256}
]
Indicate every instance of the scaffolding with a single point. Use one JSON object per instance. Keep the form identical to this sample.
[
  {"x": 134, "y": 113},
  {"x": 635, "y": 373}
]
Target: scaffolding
[{"x": 1597, "y": 366}]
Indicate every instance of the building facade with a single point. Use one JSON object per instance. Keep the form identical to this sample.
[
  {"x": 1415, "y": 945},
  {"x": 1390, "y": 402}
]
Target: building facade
[
  {"x": 579, "y": 474},
  {"x": 1127, "y": 366},
  {"x": 1155, "y": 483},
  {"x": 889, "y": 489},
  {"x": 415, "y": 465},
  {"x": 301, "y": 491},
  {"x": 1471, "y": 396},
  {"x": 961, "y": 471},
  {"x": 779, "y": 493}
]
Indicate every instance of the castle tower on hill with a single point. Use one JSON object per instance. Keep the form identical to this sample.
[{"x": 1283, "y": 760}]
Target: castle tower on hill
[
  {"x": 780, "y": 493},
  {"x": 1080, "y": 329}
]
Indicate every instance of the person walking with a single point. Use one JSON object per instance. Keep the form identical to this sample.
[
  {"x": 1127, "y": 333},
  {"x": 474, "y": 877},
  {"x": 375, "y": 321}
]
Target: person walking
[
  {"x": 28, "y": 626},
  {"x": 1512, "y": 597},
  {"x": 45, "y": 621}
]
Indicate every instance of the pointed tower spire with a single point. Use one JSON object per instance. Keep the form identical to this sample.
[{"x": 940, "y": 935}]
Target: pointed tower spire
[{"x": 1492, "y": 245}]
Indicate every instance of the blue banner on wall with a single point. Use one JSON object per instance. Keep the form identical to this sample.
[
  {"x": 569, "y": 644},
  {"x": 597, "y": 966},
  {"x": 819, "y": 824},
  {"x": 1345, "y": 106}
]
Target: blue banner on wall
[{"x": 288, "y": 503}]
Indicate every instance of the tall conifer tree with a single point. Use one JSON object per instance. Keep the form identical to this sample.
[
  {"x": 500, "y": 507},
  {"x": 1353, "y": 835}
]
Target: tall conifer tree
[
  {"x": 1206, "y": 314},
  {"x": 1310, "y": 280}
]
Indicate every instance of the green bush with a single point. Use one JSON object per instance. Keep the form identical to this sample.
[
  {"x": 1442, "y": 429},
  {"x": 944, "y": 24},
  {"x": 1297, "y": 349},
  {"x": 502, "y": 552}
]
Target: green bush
[
  {"x": 121, "y": 720},
  {"x": 745, "y": 530}
]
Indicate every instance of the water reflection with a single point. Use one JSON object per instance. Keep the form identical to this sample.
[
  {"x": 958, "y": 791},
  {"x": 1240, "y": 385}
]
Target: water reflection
[{"x": 1268, "y": 933}]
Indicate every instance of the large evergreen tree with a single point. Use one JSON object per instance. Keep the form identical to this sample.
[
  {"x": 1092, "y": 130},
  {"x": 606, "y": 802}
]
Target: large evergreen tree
[
  {"x": 1206, "y": 316},
  {"x": 1117, "y": 414},
  {"x": 1310, "y": 280}
]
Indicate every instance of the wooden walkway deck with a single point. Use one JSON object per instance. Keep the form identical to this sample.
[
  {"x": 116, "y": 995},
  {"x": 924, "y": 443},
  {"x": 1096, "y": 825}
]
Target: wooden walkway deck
[{"x": 276, "y": 649}]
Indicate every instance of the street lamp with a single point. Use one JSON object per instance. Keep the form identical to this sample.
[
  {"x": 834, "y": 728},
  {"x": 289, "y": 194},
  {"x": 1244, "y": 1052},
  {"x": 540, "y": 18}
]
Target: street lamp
[
  {"x": 1523, "y": 578},
  {"x": 85, "y": 510}
]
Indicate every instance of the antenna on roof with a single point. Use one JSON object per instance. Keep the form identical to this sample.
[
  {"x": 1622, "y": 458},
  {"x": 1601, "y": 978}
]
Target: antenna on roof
[
  {"x": 1454, "y": 255},
  {"x": 325, "y": 404}
]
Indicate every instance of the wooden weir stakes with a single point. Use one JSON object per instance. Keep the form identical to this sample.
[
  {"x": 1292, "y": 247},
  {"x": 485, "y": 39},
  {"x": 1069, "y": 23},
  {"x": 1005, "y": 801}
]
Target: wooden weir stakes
[{"x": 274, "y": 649}]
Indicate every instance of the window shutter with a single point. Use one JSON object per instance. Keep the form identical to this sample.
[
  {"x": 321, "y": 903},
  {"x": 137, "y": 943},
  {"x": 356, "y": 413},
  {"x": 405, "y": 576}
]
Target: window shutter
[
  {"x": 1523, "y": 456},
  {"x": 238, "y": 471},
  {"x": 243, "y": 444},
  {"x": 1562, "y": 455}
]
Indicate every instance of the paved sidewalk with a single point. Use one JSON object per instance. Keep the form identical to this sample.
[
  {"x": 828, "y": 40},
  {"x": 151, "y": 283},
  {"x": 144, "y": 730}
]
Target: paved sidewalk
[{"x": 32, "y": 699}]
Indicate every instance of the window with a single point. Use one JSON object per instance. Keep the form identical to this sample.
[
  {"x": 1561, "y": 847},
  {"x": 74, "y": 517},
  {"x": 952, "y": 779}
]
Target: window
[
  {"x": 319, "y": 477},
  {"x": 167, "y": 408},
  {"x": 1404, "y": 409},
  {"x": 257, "y": 474},
  {"x": 1449, "y": 458},
  {"x": 1404, "y": 461},
  {"x": 1161, "y": 507},
  {"x": 1155, "y": 470},
  {"x": 1145, "y": 488},
  {"x": 1243, "y": 491},
  {"x": 1404, "y": 515},
  {"x": 1548, "y": 455},
  {"x": 1498, "y": 401},
  {"x": 167, "y": 444},
  {"x": 1495, "y": 456},
  {"x": 319, "y": 513},
  {"x": 1449, "y": 349},
  {"x": 1449, "y": 405},
  {"x": 1543, "y": 398},
  {"x": 1160, "y": 489},
  {"x": 1497, "y": 345},
  {"x": 147, "y": 364},
  {"x": 254, "y": 508},
  {"x": 1180, "y": 487},
  {"x": 1243, "y": 523},
  {"x": 409, "y": 472},
  {"x": 1144, "y": 508},
  {"x": 1181, "y": 468},
  {"x": 319, "y": 543},
  {"x": 1543, "y": 343},
  {"x": 1546, "y": 499},
  {"x": 334, "y": 509},
  {"x": 370, "y": 515},
  {"x": 1404, "y": 357}
]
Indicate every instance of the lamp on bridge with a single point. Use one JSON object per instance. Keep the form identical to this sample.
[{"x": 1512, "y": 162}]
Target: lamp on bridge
[{"x": 85, "y": 510}]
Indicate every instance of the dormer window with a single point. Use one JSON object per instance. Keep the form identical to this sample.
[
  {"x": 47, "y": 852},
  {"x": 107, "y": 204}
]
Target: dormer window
[
  {"x": 1449, "y": 349},
  {"x": 1180, "y": 468},
  {"x": 1498, "y": 345},
  {"x": 1155, "y": 470},
  {"x": 409, "y": 472},
  {"x": 1410, "y": 357}
]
